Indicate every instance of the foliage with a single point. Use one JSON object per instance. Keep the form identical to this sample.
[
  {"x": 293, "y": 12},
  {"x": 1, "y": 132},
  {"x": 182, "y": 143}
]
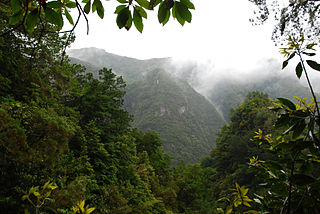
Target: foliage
[
  {"x": 32, "y": 13},
  {"x": 293, "y": 18},
  {"x": 240, "y": 197},
  {"x": 296, "y": 167}
]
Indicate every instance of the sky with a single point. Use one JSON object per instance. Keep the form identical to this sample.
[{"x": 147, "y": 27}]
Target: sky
[{"x": 220, "y": 34}]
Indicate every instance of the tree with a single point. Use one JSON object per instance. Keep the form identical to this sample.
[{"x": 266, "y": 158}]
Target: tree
[{"x": 294, "y": 17}]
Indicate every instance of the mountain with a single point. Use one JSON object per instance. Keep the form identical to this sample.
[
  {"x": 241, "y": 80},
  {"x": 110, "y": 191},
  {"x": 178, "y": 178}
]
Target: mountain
[
  {"x": 130, "y": 68},
  {"x": 186, "y": 121}
]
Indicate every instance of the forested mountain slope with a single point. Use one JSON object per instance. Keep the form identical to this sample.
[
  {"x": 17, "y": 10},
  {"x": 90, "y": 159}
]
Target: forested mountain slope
[{"x": 186, "y": 122}]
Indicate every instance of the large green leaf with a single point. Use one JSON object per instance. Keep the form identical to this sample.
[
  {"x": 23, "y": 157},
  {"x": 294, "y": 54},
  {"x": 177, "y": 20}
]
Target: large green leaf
[
  {"x": 141, "y": 11},
  {"x": 53, "y": 16},
  {"x": 68, "y": 16},
  {"x": 16, "y": 6},
  {"x": 137, "y": 20},
  {"x": 123, "y": 17},
  {"x": 183, "y": 11},
  {"x": 188, "y": 4},
  {"x": 162, "y": 12},
  {"x": 31, "y": 20},
  {"x": 71, "y": 4},
  {"x": 87, "y": 7},
  {"x": 287, "y": 103},
  {"x": 54, "y": 4},
  {"x": 16, "y": 18},
  {"x": 145, "y": 4},
  {"x": 313, "y": 65}
]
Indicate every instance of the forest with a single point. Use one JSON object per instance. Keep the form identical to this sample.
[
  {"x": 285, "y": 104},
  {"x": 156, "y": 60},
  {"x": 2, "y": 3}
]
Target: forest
[{"x": 67, "y": 145}]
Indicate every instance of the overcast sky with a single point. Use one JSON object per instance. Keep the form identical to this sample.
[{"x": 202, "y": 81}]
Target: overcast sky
[{"x": 220, "y": 32}]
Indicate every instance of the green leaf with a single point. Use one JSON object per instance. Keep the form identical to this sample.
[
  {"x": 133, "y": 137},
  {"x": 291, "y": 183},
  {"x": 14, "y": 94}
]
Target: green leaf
[
  {"x": 287, "y": 103},
  {"x": 54, "y": 17},
  {"x": 122, "y": 1},
  {"x": 169, "y": 4},
  {"x": 129, "y": 22},
  {"x": 68, "y": 16},
  {"x": 298, "y": 129},
  {"x": 302, "y": 179},
  {"x": 162, "y": 12},
  {"x": 309, "y": 54},
  {"x": 97, "y": 6},
  {"x": 313, "y": 65},
  {"x": 55, "y": 4},
  {"x": 85, "y": 1},
  {"x": 145, "y": 4},
  {"x": 165, "y": 21},
  {"x": 71, "y": 4},
  {"x": 24, "y": 197},
  {"x": 137, "y": 20},
  {"x": 87, "y": 7},
  {"x": 16, "y": 6},
  {"x": 188, "y": 4},
  {"x": 299, "y": 70},
  {"x": 123, "y": 17},
  {"x": 182, "y": 13},
  {"x": 141, "y": 11},
  {"x": 16, "y": 18},
  {"x": 119, "y": 8},
  {"x": 284, "y": 64},
  {"x": 31, "y": 20}
]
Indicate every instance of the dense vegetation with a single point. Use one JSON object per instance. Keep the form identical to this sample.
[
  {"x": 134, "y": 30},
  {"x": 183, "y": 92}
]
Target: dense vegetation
[{"x": 66, "y": 144}]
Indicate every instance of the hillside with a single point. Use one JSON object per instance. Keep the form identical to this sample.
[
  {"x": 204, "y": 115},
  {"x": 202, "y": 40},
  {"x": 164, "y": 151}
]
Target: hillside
[{"x": 186, "y": 122}]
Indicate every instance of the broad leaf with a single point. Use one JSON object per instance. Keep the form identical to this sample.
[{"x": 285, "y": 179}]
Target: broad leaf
[
  {"x": 287, "y": 103},
  {"x": 302, "y": 179},
  {"x": 299, "y": 70},
  {"x": 55, "y": 4},
  {"x": 16, "y": 6},
  {"x": 71, "y": 4},
  {"x": 313, "y": 65},
  {"x": 16, "y": 18},
  {"x": 68, "y": 16},
  {"x": 188, "y": 4},
  {"x": 183, "y": 11},
  {"x": 31, "y": 20},
  {"x": 162, "y": 12},
  {"x": 123, "y": 17},
  {"x": 145, "y": 4},
  {"x": 284, "y": 64},
  {"x": 137, "y": 20},
  {"x": 87, "y": 7}
]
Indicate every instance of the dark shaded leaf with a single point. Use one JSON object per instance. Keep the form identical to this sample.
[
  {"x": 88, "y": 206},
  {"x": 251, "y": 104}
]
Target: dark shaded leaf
[
  {"x": 31, "y": 20},
  {"x": 313, "y": 65},
  {"x": 287, "y": 103},
  {"x": 183, "y": 12},
  {"x": 119, "y": 8},
  {"x": 16, "y": 6},
  {"x": 299, "y": 70},
  {"x": 123, "y": 17},
  {"x": 284, "y": 64},
  {"x": 55, "y": 4},
  {"x": 87, "y": 7},
  {"x": 309, "y": 54},
  {"x": 16, "y": 18},
  {"x": 301, "y": 179},
  {"x": 162, "y": 12},
  {"x": 188, "y": 4}
]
